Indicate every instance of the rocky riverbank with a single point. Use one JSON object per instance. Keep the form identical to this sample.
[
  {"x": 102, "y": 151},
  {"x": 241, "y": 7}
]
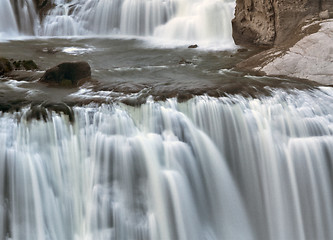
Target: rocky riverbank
[
  {"x": 299, "y": 35},
  {"x": 309, "y": 58}
]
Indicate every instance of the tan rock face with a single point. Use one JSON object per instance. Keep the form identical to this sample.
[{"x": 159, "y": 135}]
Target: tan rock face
[
  {"x": 254, "y": 22},
  {"x": 269, "y": 22},
  {"x": 311, "y": 57}
]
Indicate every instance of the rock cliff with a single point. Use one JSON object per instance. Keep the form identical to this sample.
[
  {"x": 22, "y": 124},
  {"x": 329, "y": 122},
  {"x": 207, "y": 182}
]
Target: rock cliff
[{"x": 269, "y": 22}]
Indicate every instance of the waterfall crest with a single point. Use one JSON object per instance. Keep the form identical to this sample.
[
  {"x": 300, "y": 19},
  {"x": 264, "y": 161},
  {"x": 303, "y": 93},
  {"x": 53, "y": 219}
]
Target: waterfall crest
[
  {"x": 186, "y": 20},
  {"x": 209, "y": 168}
]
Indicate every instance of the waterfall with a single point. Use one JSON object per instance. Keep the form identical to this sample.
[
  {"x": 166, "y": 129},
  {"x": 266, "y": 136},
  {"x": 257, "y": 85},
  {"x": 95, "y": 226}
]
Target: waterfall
[
  {"x": 199, "y": 20},
  {"x": 8, "y": 25},
  {"x": 188, "y": 21},
  {"x": 18, "y": 17},
  {"x": 208, "y": 168},
  {"x": 26, "y": 16}
]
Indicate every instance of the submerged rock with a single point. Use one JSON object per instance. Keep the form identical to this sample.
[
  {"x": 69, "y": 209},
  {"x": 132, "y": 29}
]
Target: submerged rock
[
  {"x": 25, "y": 65},
  {"x": 5, "y": 66},
  {"x": 184, "y": 61},
  {"x": 67, "y": 74}
]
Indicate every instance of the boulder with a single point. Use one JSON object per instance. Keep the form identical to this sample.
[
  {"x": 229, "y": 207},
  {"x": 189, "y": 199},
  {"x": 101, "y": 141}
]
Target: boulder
[
  {"x": 193, "y": 46},
  {"x": 5, "y": 66},
  {"x": 67, "y": 74}
]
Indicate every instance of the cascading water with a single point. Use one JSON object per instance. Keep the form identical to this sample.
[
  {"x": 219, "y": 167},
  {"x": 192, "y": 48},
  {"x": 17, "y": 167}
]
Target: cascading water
[
  {"x": 27, "y": 18},
  {"x": 181, "y": 20},
  {"x": 18, "y": 17},
  {"x": 210, "y": 168},
  {"x": 200, "y": 20},
  {"x": 227, "y": 168},
  {"x": 8, "y": 25}
]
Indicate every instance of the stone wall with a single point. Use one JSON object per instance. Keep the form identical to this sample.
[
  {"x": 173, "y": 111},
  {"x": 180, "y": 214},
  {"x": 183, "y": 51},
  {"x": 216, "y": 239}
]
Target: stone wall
[{"x": 269, "y": 22}]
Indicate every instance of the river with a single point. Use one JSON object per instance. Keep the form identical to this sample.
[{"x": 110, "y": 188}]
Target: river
[{"x": 165, "y": 142}]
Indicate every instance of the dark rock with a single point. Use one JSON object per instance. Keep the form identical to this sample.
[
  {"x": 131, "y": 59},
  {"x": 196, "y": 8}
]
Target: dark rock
[
  {"x": 60, "y": 108},
  {"x": 5, "y": 107},
  {"x": 29, "y": 65},
  {"x": 25, "y": 65},
  {"x": 68, "y": 74},
  {"x": 5, "y": 66},
  {"x": 184, "y": 61},
  {"x": 241, "y": 50},
  {"x": 37, "y": 112},
  {"x": 43, "y": 111},
  {"x": 193, "y": 46},
  {"x": 43, "y": 7}
]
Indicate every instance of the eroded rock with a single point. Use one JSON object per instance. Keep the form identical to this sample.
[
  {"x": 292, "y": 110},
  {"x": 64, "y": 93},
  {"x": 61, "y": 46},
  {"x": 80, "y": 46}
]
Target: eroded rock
[
  {"x": 5, "y": 66},
  {"x": 67, "y": 74},
  {"x": 273, "y": 21}
]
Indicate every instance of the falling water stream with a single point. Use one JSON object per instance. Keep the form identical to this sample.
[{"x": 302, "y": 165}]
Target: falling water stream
[
  {"x": 166, "y": 143},
  {"x": 209, "y": 168}
]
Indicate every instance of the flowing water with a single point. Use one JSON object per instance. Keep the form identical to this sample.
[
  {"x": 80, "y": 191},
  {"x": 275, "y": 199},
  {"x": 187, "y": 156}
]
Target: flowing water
[{"x": 166, "y": 142}]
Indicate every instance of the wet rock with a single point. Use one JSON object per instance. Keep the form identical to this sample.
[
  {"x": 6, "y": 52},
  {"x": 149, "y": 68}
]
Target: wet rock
[
  {"x": 67, "y": 74},
  {"x": 5, "y": 66},
  {"x": 193, "y": 46},
  {"x": 41, "y": 3},
  {"x": 43, "y": 7},
  {"x": 44, "y": 111},
  {"x": 5, "y": 107},
  {"x": 60, "y": 108},
  {"x": 184, "y": 61},
  {"x": 37, "y": 112},
  {"x": 25, "y": 65}
]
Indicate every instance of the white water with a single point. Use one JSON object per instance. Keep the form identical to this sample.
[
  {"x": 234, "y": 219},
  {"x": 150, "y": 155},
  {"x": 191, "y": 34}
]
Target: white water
[
  {"x": 25, "y": 22},
  {"x": 27, "y": 18},
  {"x": 228, "y": 168},
  {"x": 8, "y": 25},
  {"x": 185, "y": 21}
]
